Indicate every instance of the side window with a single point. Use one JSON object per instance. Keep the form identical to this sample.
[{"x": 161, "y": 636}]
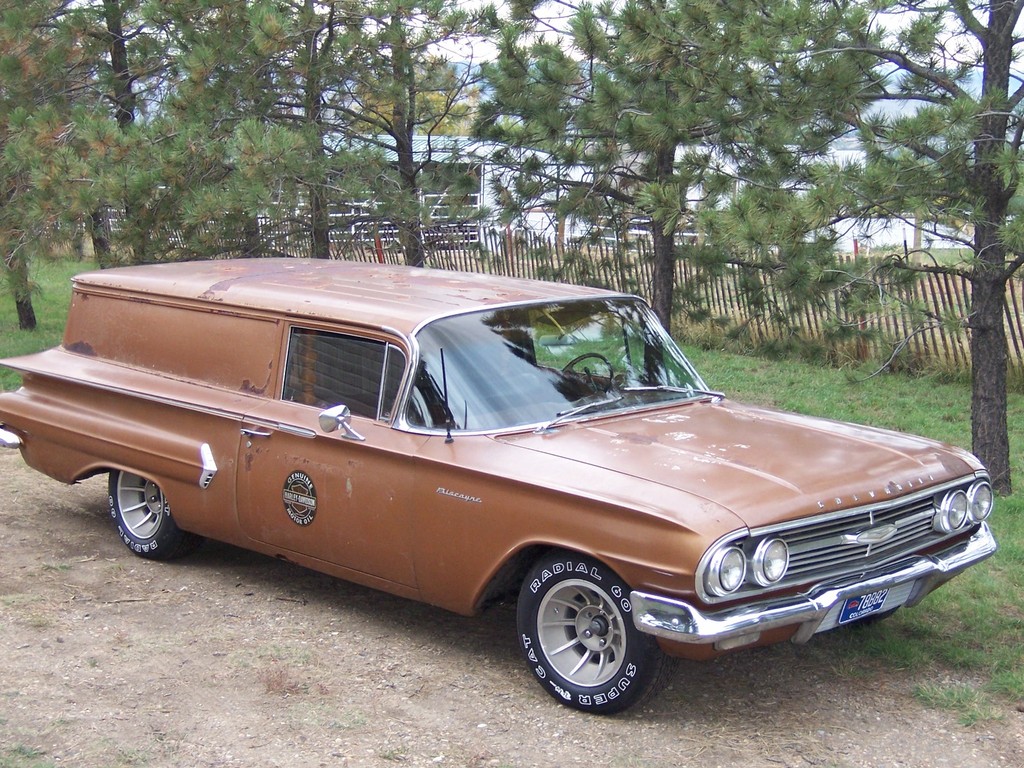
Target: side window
[{"x": 325, "y": 369}]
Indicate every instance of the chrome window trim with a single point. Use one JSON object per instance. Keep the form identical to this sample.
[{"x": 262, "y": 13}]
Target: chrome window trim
[
  {"x": 401, "y": 423},
  {"x": 583, "y": 417},
  {"x": 389, "y": 349},
  {"x": 361, "y": 334},
  {"x": 527, "y": 303}
]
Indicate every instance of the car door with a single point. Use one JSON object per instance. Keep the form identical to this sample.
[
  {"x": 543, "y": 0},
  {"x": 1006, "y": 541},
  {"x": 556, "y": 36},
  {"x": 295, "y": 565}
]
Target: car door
[{"x": 339, "y": 496}]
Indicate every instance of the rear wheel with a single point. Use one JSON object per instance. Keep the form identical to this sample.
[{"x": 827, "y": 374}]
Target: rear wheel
[
  {"x": 143, "y": 518},
  {"x": 576, "y": 630}
]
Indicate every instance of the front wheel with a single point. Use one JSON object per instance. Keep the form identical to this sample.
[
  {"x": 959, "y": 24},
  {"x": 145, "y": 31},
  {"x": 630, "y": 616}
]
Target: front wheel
[
  {"x": 143, "y": 518},
  {"x": 576, "y": 630}
]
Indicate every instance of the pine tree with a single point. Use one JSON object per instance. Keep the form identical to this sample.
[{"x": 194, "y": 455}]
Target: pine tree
[
  {"x": 407, "y": 71},
  {"x": 42, "y": 176},
  {"x": 648, "y": 108},
  {"x": 192, "y": 175},
  {"x": 289, "y": 109},
  {"x": 943, "y": 144},
  {"x": 126, "y": 67}
]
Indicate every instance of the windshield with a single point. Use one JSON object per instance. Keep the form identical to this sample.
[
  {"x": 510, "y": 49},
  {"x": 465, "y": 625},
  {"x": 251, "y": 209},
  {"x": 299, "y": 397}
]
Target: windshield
[{"x": 533, "y": 364}]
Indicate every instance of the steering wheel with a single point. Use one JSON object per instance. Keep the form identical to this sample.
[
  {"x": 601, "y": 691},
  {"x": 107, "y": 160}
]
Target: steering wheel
[{"x": 570, "y": 367}]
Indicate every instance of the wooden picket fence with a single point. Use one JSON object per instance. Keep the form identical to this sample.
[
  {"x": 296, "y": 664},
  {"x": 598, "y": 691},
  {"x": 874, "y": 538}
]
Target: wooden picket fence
[{"x": 910, "y": 326}]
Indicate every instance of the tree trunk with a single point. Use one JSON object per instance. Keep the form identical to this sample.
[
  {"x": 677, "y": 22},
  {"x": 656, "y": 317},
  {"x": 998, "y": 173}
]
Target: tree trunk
[
  {"x": 664, "y": 247},
  {"x": 100, "y": 241},
  {"x": 125, "y": 106},
  {"x": 124, "y": 95},
  {"x": 21, "y": 289},
  {"x": 989, "y": 434},
  {"x": 410, "y": 236},
  {"x": 403, "y": 122},
  {"x": 26, "y": 314},
  {"x": 252, "y": 239},
  {"x": 320, "y": 220},
  {"x": 321, "y": 223},
  {"x": 409, "y": 224}
]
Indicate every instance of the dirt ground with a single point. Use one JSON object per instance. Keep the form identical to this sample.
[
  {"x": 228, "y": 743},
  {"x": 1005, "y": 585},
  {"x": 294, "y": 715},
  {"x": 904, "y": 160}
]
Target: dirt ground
[{"x": 228, "y": 658}]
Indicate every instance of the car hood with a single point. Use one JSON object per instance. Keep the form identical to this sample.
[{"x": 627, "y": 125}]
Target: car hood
[{"x": 763, "y": 466}]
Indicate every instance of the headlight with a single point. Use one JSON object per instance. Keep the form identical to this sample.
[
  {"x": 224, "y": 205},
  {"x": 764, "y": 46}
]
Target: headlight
[
  {"x": 952, "y": 512},
  {"x": 980, "y": 500},
  {"x": 726, "y": 571},
  {"x": 770, "y": 561}
]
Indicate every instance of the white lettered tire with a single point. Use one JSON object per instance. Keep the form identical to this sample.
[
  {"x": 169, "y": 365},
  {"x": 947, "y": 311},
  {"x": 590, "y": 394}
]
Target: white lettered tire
[
  {"x": 576, "y": 630},
  {"x": 143, "y": 518}
]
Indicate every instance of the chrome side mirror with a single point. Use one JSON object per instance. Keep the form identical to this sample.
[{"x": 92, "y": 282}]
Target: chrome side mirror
[{"x": 339, "y": 417}]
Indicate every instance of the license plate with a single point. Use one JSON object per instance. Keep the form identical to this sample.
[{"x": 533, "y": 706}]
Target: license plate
[{"x": 858, "y": 607}]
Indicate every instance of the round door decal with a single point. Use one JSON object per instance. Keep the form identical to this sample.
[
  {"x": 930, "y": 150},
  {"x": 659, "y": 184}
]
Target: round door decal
[{"x": 300, "y": 498}]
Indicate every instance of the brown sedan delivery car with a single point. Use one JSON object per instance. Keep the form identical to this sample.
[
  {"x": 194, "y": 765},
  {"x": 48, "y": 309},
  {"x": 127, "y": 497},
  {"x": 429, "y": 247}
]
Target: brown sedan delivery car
[{"x": 457, "y": 438}]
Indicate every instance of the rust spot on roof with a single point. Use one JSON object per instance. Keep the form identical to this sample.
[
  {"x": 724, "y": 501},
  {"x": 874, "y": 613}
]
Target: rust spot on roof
[
  {"x": 81, "y": 348},
  {"x": 252, "y": 389}
]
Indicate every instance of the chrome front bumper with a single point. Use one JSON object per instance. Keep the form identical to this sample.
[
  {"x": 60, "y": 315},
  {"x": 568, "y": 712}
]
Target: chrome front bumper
[
  {"x": 816, "y": 611},
  {"x": 9, "y": 439}
]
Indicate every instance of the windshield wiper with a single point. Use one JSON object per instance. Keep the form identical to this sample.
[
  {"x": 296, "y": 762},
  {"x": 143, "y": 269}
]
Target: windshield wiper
[
  {"x": 691, "y": 391},
  {"x": 563, "y": 415}
]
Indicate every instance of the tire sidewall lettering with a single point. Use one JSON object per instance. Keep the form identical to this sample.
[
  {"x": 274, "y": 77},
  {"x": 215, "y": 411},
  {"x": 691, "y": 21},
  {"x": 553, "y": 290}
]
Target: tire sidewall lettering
[
  {"x": 611, "y": 696},
  {"x": 164, "y": 539},
  {"x": 136, "y": 546},
  {"x": 570, "y": 568},
  {"x": 618, "y": 688},
  {"x": 134, "y": 543}
]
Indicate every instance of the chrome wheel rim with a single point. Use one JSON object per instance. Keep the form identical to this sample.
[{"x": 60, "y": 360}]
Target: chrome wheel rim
[
  {"x": 581, "y": 633},
  {"x": 141, "y": 504}
]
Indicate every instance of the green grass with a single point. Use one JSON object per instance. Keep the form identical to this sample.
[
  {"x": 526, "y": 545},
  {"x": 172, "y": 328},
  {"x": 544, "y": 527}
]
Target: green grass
[
  {"x": 967, "y": 702},
  {"x": 967, "y": 639},
  {"x": 924, "y": 405}
]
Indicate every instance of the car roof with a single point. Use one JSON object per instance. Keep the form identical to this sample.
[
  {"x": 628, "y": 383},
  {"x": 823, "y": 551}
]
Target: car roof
[{"x": 382, "y": 295}]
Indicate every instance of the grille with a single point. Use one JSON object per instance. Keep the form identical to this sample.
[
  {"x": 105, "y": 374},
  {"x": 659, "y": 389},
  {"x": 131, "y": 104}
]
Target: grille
[{"x": 824, "y": 548}]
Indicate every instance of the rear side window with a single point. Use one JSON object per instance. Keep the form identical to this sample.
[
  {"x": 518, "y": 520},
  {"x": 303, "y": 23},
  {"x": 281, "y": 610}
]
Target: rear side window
[{"x": 326, "y": 369}]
